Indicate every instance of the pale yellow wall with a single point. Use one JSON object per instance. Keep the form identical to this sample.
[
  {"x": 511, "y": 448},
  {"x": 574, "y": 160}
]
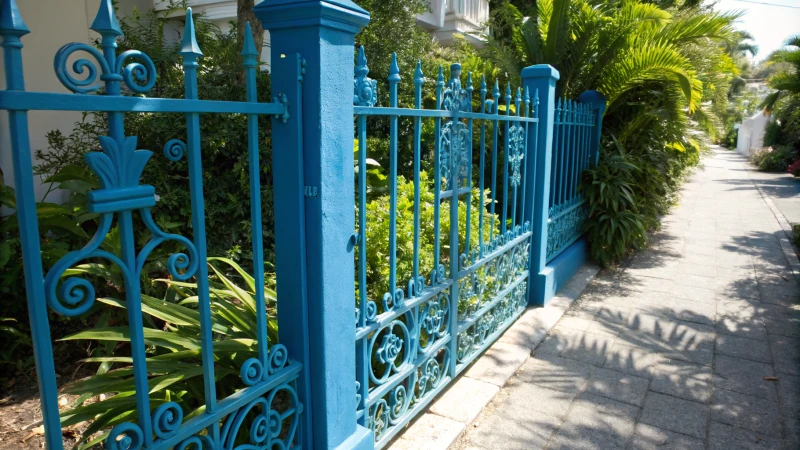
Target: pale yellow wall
[{"x": 53, "y": 23}]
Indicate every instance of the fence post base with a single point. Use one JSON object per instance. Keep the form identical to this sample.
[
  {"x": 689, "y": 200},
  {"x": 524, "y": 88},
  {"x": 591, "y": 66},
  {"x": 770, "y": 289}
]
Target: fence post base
[
  {"x": 540, "y": 80},
  {"x": 560, "y": 270},
  {"x": 320, "y": 331},
  {"x": 362, "y": 439}
]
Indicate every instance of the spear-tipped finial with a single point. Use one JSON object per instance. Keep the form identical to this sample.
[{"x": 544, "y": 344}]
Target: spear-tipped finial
[
  {"x": 394, "y": 69},
  {"x": 361, "y": 60},
  {"x": 527, "y": 94},
  {"x": 469, "y": 80},
  {"x": 483, "y": 83},
  {"x": 496, "y": 90},
  {"x": 189, "y": 47},
  {"x": 519, "y": 94},
  {"x": 105, "y": 22},
  {"x": 455, "y": 73},
  {"x": 440, "y": 77},
  {"x": 249, "y": 46},
  {"x": 419, "y": 77},
  {"x": 11, "y": 22}
]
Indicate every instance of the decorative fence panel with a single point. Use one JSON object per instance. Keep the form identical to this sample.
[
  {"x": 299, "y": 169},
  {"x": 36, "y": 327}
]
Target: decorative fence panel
[
  {"x": 257, "y": 403},
  {"x": 438, "y": 311},
  {"x": 451, "y": 239},
  {"x": 574, "y": 150}
]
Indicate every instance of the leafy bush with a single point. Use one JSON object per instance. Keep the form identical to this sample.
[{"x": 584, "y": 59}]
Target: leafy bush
[
  {"x": 771, "y": 133},
  {"x": 378, "y": 233},
  {"x": 223, "y": 144},
  {"x": 173, "y": 344},
  {"x": 775, "y": 159},
  {"x": 615, "y": 224},
  {"x": 794, "y": 168}
]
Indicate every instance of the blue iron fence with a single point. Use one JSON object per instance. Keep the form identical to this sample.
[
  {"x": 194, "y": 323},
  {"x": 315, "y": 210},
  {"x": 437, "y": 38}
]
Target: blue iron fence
[
  {"x": 439, "y": 311},
  {"x": 475, "y": 237},
  {"x": 573, "y": 134},
  {"x": 148, "y": 420}
]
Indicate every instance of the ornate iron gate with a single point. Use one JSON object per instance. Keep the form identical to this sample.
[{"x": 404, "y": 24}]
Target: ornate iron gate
[
  {"x": 419, "y": 332},
  {"x": 265, "y": 412}
]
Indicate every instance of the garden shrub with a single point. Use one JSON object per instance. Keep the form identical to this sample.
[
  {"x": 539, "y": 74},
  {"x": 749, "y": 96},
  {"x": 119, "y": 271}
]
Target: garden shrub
[
  {"x": 775, "y": 159},
  {"x": 378, "y": 233}
]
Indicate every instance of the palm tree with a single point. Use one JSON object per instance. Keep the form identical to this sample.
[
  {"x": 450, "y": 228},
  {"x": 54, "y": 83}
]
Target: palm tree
[
  {"x": 787, "y": 81},
  {"x": 613, "y": 46}
]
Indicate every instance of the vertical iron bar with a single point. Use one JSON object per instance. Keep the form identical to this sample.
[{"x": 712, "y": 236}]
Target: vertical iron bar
[
  {"x": 454, "y": 84},
  {"x": 191, "y": 52},
  {"x": 12, "y": 28},
  {"x": 564, "y": 151},
  {"x": 505, "y": 162},
  {"x": 525, "y": 155},
  {"x": 106, "y": 25},
  {"x": 482, "y": 206},
  {"x": 394, "y": 79},
  {"x": 556, "y": 156},
  {"x": 468, "y": 155},
  {"x": 362, "y": 352},
  {"x": 419, "y": 80},
  {"x": 517, "y": 103},
  {"x": 437, "y": 179},
  {"x": 250, "y": 55},
  {"x": 495, "y": 136}
]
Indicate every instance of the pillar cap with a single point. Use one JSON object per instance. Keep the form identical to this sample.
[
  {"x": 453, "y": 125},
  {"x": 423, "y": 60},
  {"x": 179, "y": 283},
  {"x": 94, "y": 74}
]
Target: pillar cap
[
  {"x": 593, "y": 98},
  {"x": 540, "y": 71},
  {"x": 336, "y": 14}
]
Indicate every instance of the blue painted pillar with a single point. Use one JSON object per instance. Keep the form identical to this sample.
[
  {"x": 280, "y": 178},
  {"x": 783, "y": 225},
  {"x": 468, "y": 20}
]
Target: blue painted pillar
[
  {"x": 540, "y": 78},
  {"x": 315, "y": 265},
  {"x": 597, "y": 102}
]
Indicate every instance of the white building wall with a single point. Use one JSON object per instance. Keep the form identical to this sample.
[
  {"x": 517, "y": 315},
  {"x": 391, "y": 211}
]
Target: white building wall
[{"x": 751, "y": 134}]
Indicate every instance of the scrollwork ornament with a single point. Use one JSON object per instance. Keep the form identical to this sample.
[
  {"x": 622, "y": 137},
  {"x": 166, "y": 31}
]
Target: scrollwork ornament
[
  {"x": 167, "y": 418},
  {"x": 125, "y": 436},
  {"x": 379, "y": 418},
  {"x": 398, "y": 403},
  {"x": 278, "y": 357},
  {"x": 516, "y": 145},
  {"x": 391, "y": 301},
  {"x": 90, "y": 82},
  {"x": 387, "y": 345},
  {"x": 365, "y": 89},
  {"x": 139, "y": 76},
  {"x": 174, "y": 149},
  {"x": 197, "y": 442},
  {"x": 251, "y": 372},
  {"x": 266, "y": 428}
]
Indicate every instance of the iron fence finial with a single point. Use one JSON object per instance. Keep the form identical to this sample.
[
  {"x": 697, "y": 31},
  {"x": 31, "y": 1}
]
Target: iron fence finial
[
  {"x": 11, "y": 22},
  {"x": 189, "y": 47}
]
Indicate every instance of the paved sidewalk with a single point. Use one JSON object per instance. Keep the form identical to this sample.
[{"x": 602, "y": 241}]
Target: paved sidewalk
[{"x": 694, "y": 345}]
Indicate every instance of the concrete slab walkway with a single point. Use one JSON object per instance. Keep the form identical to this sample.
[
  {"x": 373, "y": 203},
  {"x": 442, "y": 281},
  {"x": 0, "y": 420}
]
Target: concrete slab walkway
[{"x": 694, "y": 345}]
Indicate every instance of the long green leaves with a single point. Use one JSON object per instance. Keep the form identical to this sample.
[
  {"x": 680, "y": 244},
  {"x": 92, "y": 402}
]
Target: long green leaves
[{"x": 173, "y": 362}]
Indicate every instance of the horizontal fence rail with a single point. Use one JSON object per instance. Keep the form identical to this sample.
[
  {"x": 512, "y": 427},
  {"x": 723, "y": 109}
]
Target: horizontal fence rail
[
  {"x": 573, "y": 143},
  {"x": 448, "y": 273},
  {"x": 254, "y": 404}
]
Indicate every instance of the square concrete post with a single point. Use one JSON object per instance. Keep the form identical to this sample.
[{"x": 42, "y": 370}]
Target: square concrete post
[
  {"x": 313, "y": 42},
  {"x": 540, "y": 79}
]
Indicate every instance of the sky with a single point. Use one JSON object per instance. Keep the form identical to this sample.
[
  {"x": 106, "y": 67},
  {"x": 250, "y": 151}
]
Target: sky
[{"x": 770, "y": 25}]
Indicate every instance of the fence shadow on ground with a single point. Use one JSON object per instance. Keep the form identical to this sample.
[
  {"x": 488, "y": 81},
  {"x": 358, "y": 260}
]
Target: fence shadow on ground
[{"x": 633, "y": 339}]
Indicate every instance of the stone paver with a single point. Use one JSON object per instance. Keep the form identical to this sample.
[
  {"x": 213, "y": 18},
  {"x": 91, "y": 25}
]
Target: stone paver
[{"x": 694, "y": 344}]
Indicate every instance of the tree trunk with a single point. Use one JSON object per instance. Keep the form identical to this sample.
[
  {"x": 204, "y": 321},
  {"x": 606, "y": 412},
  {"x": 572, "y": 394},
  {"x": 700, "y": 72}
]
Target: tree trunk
[{"x": 244, "y": 14}]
